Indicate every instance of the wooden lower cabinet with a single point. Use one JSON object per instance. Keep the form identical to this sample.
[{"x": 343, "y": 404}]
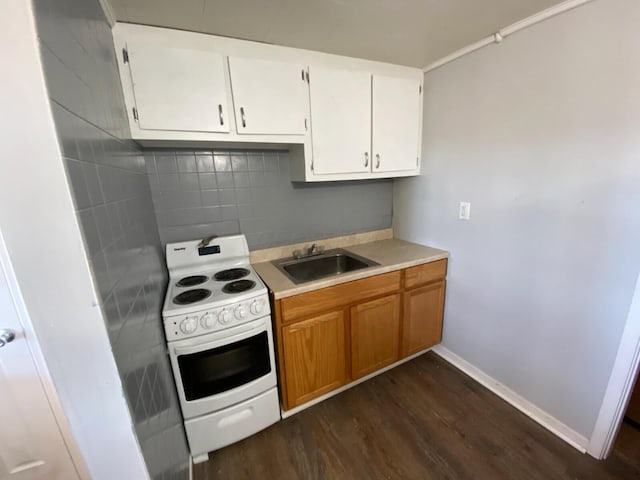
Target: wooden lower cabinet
[
  {"x": 329, "y": 337},
  {"x": 422, "y": 322},
  {"x": 314, "y": 356},
  {"x": 375, "y": 330}
]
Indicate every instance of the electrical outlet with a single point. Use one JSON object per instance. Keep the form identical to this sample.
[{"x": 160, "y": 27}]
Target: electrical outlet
[{"x": 464, "y": 212}]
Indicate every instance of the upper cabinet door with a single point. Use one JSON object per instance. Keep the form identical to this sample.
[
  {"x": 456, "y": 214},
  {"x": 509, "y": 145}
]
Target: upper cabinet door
[
  {"x": 340, "y": 120},
  {"x": 269, "y": 97},
  {"x": 178, "y": 88},
  {"x": 396, "y": 123}
]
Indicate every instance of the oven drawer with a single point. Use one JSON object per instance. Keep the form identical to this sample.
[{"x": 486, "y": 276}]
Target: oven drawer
[{"x": 222, "y": 428}]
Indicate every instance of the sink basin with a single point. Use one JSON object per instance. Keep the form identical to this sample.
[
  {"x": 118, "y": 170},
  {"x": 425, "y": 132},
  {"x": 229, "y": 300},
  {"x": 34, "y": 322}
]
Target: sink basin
[{"x": 327, "y": 264}]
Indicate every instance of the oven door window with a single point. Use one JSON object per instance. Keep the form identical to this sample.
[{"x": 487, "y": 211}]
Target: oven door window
[{"x": 224, "y": 368}]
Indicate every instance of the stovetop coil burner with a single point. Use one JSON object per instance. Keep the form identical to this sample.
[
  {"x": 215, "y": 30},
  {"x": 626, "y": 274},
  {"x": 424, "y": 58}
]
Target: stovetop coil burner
[
  {"x": 191, "y": 296},
  {"x": 231, "y": 274},
  {"x": 192, "y": 281},
  {"x": 238, "y": 286}
]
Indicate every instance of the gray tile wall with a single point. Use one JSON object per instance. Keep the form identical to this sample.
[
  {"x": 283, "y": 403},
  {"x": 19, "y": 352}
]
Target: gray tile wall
[
  {"x": 113, "y": 201},
  {"x": 201, "y": 192}
]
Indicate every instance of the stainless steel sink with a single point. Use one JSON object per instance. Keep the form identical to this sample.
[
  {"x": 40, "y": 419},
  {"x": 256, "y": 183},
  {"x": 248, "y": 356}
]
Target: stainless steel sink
[{"x": 326, "y": 264}]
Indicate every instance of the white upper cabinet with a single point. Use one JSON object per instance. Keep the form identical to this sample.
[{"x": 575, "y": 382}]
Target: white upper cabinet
[
  {"x": 178, "y": 88},
  {"x": 269, "y": 97},
  {"x": 396, "y": 123},
  {"x": 340, "y": 120}
]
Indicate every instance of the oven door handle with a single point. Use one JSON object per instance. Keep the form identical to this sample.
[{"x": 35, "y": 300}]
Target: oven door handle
[{"x": 222, "y": 340}]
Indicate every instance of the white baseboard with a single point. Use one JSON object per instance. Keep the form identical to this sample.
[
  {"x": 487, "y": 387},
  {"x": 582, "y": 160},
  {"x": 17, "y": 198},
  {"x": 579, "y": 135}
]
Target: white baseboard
[{"x": 549, "y": 422}]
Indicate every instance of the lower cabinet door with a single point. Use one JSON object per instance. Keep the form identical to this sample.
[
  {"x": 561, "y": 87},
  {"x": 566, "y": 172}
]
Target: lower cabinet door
[
  {"x": 375, "y": 327},
  {"x": 314, "y": 355},
  {"x": 422, "y": 322}
]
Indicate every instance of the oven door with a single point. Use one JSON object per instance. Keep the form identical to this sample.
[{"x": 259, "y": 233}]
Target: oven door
[{"x": 220, "y": 369}]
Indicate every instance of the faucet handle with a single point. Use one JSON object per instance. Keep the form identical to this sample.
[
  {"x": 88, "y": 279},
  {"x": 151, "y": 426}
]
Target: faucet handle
[{"x": 315, "y": 249}]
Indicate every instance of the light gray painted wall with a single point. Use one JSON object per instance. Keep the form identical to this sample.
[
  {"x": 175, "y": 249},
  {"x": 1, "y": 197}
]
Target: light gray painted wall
[
  {"x": 197, "y": 193},
  {"x": 111, "y": 194},
  {"x": 541, "y": 135}
]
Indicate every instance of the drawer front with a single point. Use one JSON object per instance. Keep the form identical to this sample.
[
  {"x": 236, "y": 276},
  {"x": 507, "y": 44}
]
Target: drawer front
[
  {"x": 307, "y": 304},
  {"x": 224, "y": 427},
  {"x": 425, "y": 273}
]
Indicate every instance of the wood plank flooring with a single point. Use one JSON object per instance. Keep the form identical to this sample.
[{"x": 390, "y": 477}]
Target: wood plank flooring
[
  {"x": 627, "y": 444},
  {"x": 422, "y": 420}
]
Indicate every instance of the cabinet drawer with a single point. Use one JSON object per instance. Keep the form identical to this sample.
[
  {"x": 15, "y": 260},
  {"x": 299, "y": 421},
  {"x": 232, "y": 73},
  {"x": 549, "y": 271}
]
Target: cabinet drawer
[
  {"x": 427, "y": 272},
  {"x": 325, "y": 299}
]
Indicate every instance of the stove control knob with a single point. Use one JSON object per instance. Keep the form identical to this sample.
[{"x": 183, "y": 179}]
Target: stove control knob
[
  {"x": 208, "y": 321},
  {"x": 241, "y": 312},
  {"x": 256, "y": 306},
  {"x": 189, "y": 325},
  {"x": 224, "y": 316}
]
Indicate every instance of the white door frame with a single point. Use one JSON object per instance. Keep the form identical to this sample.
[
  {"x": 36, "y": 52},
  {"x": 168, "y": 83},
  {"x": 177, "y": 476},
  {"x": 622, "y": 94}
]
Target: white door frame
[
  {"x": 40, "y": 363},
  {"x": 621, "y": 381}
]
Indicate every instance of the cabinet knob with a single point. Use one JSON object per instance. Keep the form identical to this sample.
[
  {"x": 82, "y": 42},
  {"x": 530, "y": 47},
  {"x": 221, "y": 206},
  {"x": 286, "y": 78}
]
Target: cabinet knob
[
  {"x": 244, "y": 120},
  {"x": 377, "y": 160},
  {"x": 220, "y": 114},
  {"x": 366, "y": 159}
]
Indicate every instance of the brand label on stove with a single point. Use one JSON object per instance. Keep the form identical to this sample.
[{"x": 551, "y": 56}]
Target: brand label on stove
[{"x": 209, "y": 250}]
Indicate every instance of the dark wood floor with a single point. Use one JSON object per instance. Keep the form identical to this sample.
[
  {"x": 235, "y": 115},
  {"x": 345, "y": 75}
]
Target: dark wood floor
[
  {"x": 627, "y": 444},
  {"x": 421, "y": 420}
]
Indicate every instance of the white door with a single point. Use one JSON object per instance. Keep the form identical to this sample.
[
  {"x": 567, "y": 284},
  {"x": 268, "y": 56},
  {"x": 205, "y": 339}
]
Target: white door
[
  {"x": 178, "y": 88},
  {"x": 340, "y": 120},
  {"x": 31, "y": 445},
  {"x": 269, "y": 97},
  {"x": 396, "y": 123}
]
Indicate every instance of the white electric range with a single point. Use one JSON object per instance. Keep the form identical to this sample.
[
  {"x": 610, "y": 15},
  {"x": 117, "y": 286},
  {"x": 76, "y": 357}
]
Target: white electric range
[{"x": 217, "y": 322}]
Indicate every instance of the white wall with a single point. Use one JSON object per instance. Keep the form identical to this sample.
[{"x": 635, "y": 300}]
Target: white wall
[
  {"x": 38, "y": 222},
  {"x": 542, "y": 135}
]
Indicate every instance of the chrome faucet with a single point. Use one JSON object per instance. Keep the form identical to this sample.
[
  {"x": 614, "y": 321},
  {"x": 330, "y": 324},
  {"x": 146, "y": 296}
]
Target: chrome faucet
[{"x": 314, "y": 249}]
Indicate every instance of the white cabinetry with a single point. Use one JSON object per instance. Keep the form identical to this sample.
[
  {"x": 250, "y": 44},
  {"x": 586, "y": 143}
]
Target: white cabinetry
[
  {"x": 396, "y": 123},
  {"x": 178, "y": 88},
  {"x": 341, "y": 120},
  {"x": 363, "y": 125},
  {"x": 269, "y": 97}
]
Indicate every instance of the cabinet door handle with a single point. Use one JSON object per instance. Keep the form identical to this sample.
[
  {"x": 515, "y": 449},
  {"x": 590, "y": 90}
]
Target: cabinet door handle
[
  {"x": 377, "y": 160},
  {"x": 366, "y": 159},
  {"x": 244, "y": 120},
  {"x": 220, "y": 114}
]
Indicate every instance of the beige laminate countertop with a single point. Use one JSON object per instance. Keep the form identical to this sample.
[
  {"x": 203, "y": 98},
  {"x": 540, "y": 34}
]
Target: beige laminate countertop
[{"x": 391, "y": 254}]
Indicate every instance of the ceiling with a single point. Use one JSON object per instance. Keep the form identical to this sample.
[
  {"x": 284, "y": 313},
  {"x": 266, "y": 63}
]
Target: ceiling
[{"x": 408, "y": 32}]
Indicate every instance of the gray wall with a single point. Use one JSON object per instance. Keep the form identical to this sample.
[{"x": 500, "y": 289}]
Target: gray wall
[
  {"x": 198, "y": 193},
  {"x": 540, "y": 134},
  {"x": 114, "y": 206}
]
